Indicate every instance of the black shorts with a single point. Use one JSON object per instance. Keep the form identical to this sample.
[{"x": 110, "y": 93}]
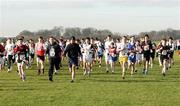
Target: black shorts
[
  {"x": 171, "y": 54},
  {"x": 73, "y": 61},
  {"x": 163, "y": 57},
  {"x": 153, "y": 54},
  {"x": 31, "y": 55},
  {"x": 147, "y": 56},
  {"x": 10, "y": 57},
  {"x": 178, "y": 47},
  {"x": 54, "y": 62}
]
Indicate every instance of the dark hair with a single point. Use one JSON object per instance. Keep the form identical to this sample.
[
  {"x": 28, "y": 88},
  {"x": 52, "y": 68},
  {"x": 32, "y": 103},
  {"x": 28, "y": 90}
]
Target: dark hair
[
  {"x": 31, "y": 40},
  {"x": 40, "y": 37},
  {"x": 146, "y": 35},
  {"x": 124, "y": 37},
  {"x": 92, "y": 38},
  {"x": 112, "y": 43},
  {"x": 118, "y": 39},
  {"x": 171, "y": 38},
  {"x": 164, "y": 39},
  {"x": 51, "y": 37},
  {"x": 78, "y": 40},
  {"x": 138, "y": 41},
  {"x": 109, "y": 36},
  {"x": 73, "y": 38},
  {"x": 19, "y": 39},
  {"x": 87, "y": 38}
]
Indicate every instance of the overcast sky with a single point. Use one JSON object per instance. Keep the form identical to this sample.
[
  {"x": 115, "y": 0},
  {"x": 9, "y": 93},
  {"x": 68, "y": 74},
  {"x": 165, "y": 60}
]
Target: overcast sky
[{"x": 124, "y": 16}]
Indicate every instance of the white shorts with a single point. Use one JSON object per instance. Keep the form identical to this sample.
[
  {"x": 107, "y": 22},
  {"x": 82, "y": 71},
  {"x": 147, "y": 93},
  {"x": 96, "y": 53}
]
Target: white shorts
[
  {"x": 87, "y": 58},
  {"x": 138, "y": 57},
  {"x": 1, "y": 60}
]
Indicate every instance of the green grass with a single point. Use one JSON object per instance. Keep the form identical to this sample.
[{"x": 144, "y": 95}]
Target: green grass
[{"x": 100, "y": 89}]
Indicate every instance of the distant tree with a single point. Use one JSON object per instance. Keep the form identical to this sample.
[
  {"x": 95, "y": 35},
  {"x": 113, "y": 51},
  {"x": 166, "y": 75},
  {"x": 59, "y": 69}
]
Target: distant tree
[
  {"x": 72, "y": 32},
  {"x": 57, "y": 31},
  {"x": 26, "y": 33},
  {"x": 90, "y": 32}
]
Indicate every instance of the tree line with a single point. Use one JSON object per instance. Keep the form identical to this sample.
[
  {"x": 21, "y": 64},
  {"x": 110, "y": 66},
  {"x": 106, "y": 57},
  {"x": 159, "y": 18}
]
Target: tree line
[{"x": 93, "y": 32}]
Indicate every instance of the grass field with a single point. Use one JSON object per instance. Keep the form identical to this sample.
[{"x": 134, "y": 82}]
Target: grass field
[{"x": 100, "y": 89}]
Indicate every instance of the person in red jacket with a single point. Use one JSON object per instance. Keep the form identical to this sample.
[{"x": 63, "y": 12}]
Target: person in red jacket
[
  {"x": 40, "y": 49},
  {"x": 2, "y": 49},
  {"x": 20, "y": 50}
]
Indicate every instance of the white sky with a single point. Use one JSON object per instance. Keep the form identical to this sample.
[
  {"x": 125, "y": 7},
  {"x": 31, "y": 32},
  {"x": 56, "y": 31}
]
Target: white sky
[{"x": 124, "y": 16}]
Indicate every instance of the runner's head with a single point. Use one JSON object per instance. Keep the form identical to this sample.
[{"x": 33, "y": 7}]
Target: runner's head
[
  {"x": 51, "y": 40},
  {"x": 40, "y": 39},
  {"x": 142, "y": 39},
  {"x": 146, "y": 37},
  {"x": 87, "y": 40},
  {"x": 163, "y": 42},
  {"x": 132, "y": 38},
  {"x": 137, "y": 42},
  {"x": 31, "y": 41},
  {"x": 112, "y": 45},
  {"x": 78, "y": 41},
  {"x": 123, "y": 40},
  {"x": 109, "y": 38},
  {"x": 9, "y": 41},
  {"x": 20, "y": 41},
  {"x": 117, "y": 40},
  {"x": 82, "y": 40},
  {"x": 72, "y": 39},
  {"x": 92, "y": 40},
  {"x": 170, "y": 39}
]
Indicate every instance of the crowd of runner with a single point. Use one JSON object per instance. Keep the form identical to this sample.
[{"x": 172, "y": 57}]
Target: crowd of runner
[{"x": 129, "y": 53}]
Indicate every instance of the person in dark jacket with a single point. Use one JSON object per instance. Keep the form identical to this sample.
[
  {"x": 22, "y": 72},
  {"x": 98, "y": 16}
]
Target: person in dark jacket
[
  {"x": 53, "y": 51},
  {"x": 73, "y": 51}
]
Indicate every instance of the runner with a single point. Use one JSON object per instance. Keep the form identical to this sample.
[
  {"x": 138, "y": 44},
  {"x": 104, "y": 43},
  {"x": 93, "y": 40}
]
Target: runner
[
  {"x": 73, "y": 51},
  {"x": 152, "y": 56},
  {"x": 31, "y": 51},
  {"x": 164, "y": 56},
  {"x": 9, "y": 53},
  {"x": 138, "y": 53},
  {"x": 100, "y": 50},
  {"x": 53, "y": 51},
  {"x": 123, "y": 55},
  {"x": 88, "y": 56},
  {"x": 132, "y": 55},
  {"x": 20, "y": 50},
  {"x": 147, "y": 48},
  {"x": 171, "y": 45},
  {"x": 108, "y": 42},
  {"x": 112, "y": 56},
  {"x": 40, "y": 52}
]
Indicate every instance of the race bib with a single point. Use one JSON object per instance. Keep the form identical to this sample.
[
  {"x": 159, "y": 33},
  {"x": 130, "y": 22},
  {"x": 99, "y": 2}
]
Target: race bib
[
  {"x": 22, "y": 57},
  {"x": 32, "y": 51},
  {"x": 164, "y": 52},
  {"x": 146, "y": 48},
  {"x": 52, "y": 52},
  {"x": 114, "y": 55}
]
